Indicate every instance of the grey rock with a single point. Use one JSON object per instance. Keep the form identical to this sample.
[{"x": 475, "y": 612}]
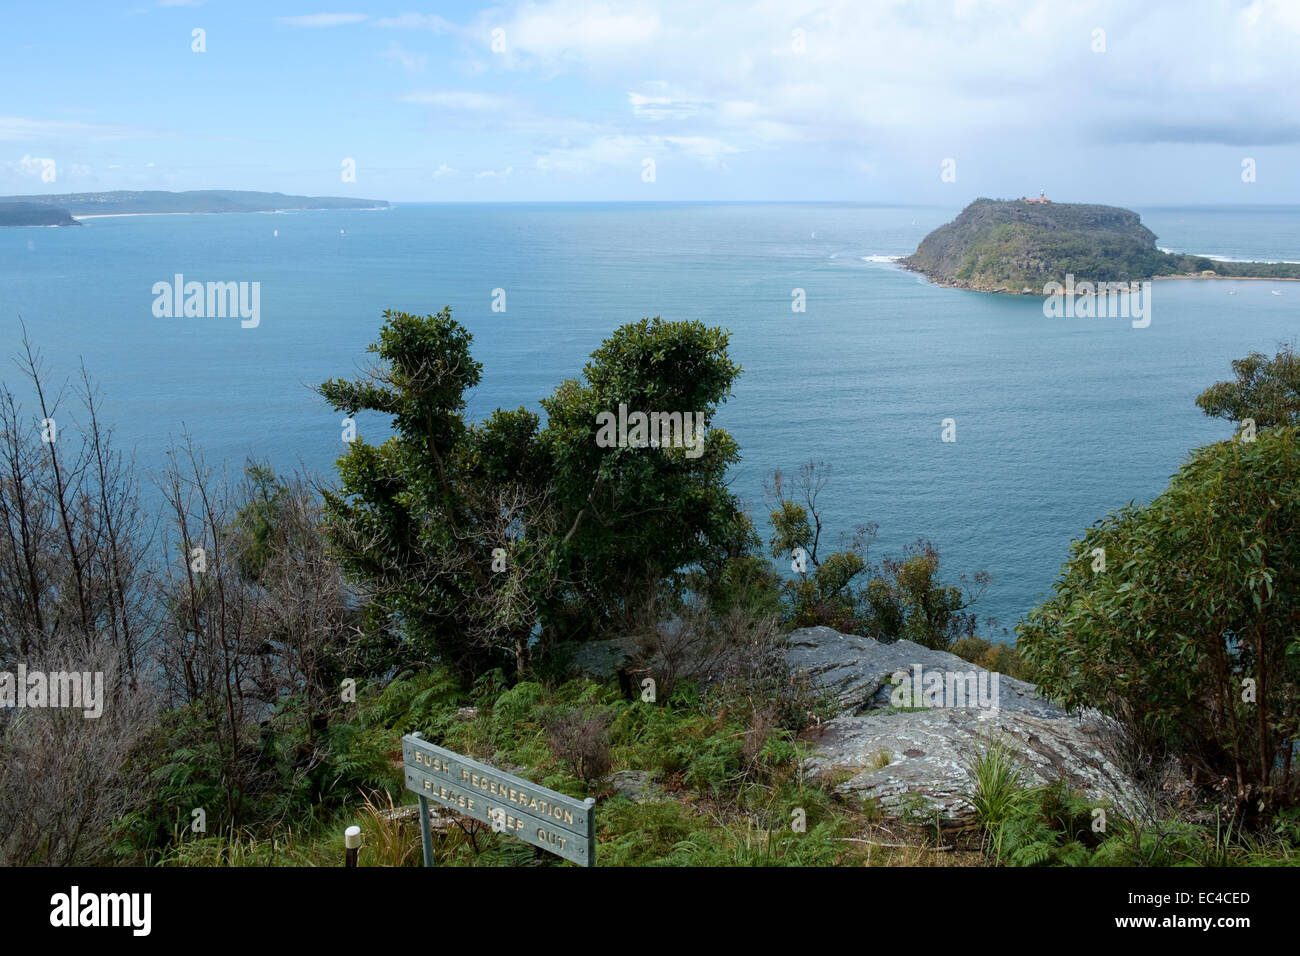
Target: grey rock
[
  {"x": 927, "y": 753},
  {"x": 902, "y": 758},
  {"x": 600, "y": 659},
  {"x": 838, "y": 663},
  {"x": 857, "y": 670},
  {"x": 636, "y": 785}
]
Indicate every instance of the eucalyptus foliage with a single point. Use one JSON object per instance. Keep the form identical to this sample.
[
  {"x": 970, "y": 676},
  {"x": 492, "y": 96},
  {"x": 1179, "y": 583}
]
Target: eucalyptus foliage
[{"x": 1182, "y": 618}]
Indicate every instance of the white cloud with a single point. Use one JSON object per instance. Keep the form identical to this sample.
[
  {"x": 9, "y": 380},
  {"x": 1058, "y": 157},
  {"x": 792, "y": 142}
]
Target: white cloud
[
  {"x": 456, "y": 100},
  {"x": 494, "y": 174},
  {"x": 323, "y": 19},
  {"x": 443, "y": 170},
  {"x": 40, "y": 167},
  {"x": 19, "y": 129},
  {"x": 924, "y": 73},
  {"x": 571, "y": 30},
  {"x": 31, "y": 166},
  {"x": 663, "y": 107},
  {"x": 418, "y": 21},
  {"x": 627, "y": 151},
  {"x": 708, "y": 150},
  {"x": 410, "y": 62}
]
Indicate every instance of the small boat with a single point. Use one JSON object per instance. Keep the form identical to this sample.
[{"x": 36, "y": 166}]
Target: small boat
[
  {"x": 1276, "y": 292},
  {"x": 275, "y": 233}
]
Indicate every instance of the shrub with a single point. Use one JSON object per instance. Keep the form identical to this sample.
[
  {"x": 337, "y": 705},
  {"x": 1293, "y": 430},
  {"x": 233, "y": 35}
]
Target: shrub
[
  {"x": 581, "y": 741},
  {"x": 1188, "y": 634},
  {"x": 995, "y": 657},
  {"x": 1266, "y": 390},
  {"x": 901, "y": 598}
]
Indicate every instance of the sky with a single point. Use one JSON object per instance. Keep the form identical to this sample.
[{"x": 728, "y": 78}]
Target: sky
[{"x": 1131, "y": 103}]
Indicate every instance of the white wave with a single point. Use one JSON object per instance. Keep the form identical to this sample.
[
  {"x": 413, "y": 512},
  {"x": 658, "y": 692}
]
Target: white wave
[
  {"x": 1215, "y": 255},
  {"x": 881, "y": 258}
]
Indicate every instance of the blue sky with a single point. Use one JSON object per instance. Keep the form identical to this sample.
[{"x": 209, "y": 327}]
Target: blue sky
[{"x": 756, "y": 100}]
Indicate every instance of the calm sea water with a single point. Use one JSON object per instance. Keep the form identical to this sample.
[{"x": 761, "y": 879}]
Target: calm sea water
[{"x": 1058, "y": 420}]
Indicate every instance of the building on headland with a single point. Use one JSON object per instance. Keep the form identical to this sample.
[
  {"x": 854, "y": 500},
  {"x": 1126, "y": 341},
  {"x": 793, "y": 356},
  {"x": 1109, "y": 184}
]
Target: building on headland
[{"x": 1042, "y": 197}]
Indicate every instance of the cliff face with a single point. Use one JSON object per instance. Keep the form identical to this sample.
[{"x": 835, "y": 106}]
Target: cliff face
[
  {"x": 1005, "y": 246},
  {"x": 34, "y": 214}
]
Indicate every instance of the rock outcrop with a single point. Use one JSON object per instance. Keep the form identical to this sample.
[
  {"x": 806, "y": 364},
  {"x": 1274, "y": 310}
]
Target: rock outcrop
[
  {"x": 906, "y": 759},
  {"x": 857, "y": 670}
]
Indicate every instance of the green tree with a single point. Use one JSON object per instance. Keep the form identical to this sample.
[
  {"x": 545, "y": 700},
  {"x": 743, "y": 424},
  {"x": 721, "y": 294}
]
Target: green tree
[
  {"x": 485, "y": 541},
  {"x": 822, "y": 590},
  {"x": 636, "y": 520},
  {"x": 1265, "y": 390},
  {"x": 401, "y": 522},
  {"x": 903, "y": 598},
  {"x": 908, "y": 601},
  {"x": 1182, "y": 618}
]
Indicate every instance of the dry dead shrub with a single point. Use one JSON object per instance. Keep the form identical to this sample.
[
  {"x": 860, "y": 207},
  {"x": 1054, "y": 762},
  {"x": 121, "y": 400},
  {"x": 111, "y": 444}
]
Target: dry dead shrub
[
  {"x": 65, "y": 777},
  {"x": 581, "y": 740},
  {"x": 762, "y": 723}
]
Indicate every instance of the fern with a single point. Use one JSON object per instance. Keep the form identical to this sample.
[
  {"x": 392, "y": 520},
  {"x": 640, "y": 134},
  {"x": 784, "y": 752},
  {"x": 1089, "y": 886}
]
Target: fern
[{"x": 424, "y": 701}]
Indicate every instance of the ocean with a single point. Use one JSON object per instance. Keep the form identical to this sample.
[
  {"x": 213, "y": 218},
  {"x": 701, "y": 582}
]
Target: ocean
[{"x": 1057, "y": 420}]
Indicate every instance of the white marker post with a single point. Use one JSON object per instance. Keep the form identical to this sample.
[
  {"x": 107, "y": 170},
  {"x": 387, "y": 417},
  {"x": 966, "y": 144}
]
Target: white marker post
[{"x": 352, "y": 841}]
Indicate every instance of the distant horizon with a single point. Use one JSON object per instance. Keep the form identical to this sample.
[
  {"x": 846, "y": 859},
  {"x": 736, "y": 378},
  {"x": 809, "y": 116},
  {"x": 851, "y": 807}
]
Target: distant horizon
[{"x": 646, "y": 202}]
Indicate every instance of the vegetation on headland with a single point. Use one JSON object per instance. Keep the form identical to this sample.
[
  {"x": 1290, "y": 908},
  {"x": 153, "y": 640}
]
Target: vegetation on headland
[
  {"x": 34, "y": 214},
  {"x": 1017, "y": 246},
  {"x": 124, "y": 201},
  {"x": 454, "y": 567}
]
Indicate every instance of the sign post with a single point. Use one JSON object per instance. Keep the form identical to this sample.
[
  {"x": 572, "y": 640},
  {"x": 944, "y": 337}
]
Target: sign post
[
  {"x": 426, "y": 834},
  {"x": 559, "y": 824}
]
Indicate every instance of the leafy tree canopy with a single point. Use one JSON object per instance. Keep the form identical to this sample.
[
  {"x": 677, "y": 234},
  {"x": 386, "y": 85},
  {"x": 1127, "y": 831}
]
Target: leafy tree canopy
[
  {"x": 486, "y": 540},
  {"x": 1182, "y": 618},
  {"x": 1265, "y": 390}
]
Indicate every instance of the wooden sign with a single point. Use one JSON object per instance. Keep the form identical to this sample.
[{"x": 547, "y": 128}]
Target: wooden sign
[{"x": 559, "y": 824}]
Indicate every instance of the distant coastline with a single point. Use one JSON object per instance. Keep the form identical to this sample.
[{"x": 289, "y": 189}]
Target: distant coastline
[
  {"x": 19, "y": 213},
  {"x": 1231, "y": 278},
  {"x": 70, "y": 208},
  {"x": 123, "y": 215}
]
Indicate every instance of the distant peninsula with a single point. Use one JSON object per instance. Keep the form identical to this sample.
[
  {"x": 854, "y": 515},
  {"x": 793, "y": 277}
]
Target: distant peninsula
[
  {"x": 1020, "y": 245},
  {"x": 60, "y": 210},
  {"x": 34, "y": 214}
]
